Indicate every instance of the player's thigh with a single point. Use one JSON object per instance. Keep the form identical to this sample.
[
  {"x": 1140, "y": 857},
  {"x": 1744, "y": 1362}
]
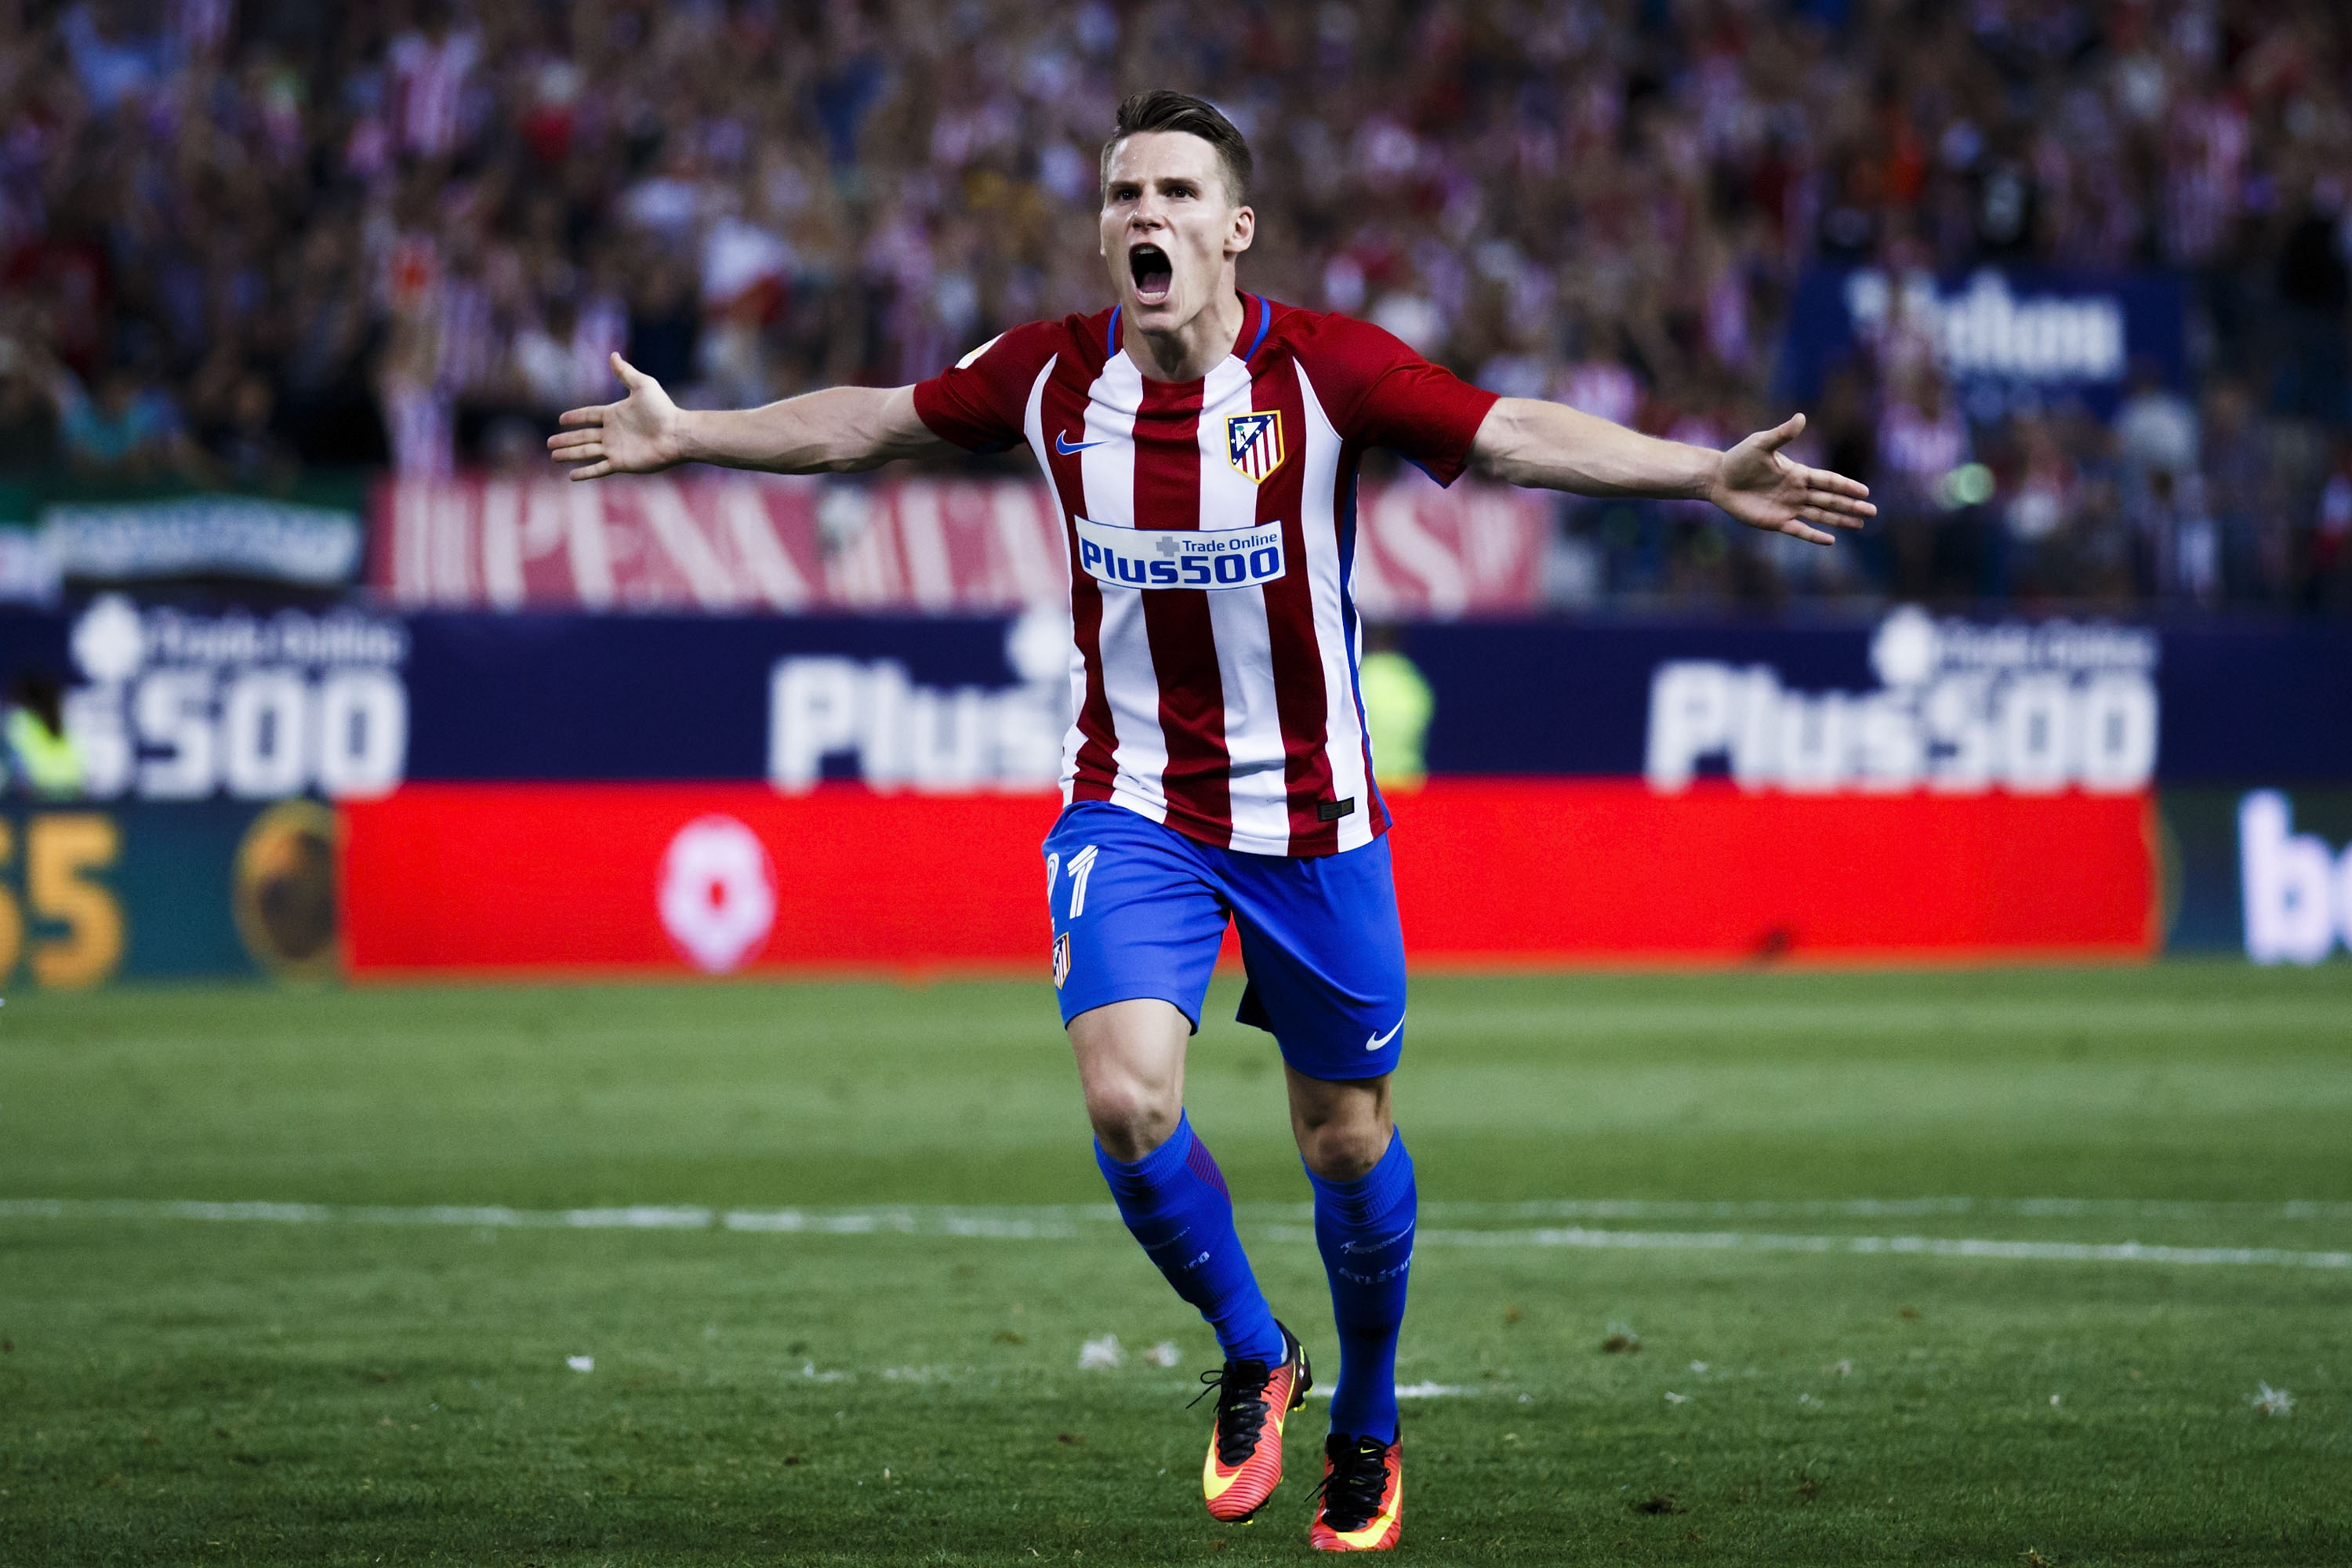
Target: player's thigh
[
  {"x": 1326, "y": 960},
  {"x": 1134, "y": 914}
]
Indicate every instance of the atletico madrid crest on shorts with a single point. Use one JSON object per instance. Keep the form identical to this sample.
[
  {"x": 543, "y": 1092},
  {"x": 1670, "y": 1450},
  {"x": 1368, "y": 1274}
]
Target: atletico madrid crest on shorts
[{"x": 1253, "y": 443}]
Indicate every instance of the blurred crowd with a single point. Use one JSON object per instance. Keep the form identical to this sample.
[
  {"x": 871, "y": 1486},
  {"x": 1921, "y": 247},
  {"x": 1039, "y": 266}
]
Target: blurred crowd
[{"x": 240, "y": 236}]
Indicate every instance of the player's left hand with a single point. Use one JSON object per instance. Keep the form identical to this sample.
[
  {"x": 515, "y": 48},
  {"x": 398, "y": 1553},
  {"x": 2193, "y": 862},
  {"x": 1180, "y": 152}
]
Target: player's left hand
[
  {"x": 642, "y": 434},
  {"x": 1765, "y": 489}
]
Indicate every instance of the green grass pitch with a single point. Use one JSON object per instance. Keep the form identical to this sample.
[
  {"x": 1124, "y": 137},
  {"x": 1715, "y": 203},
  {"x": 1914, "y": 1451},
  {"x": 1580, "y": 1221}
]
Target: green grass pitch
[{"x": 898, "y": 1379}]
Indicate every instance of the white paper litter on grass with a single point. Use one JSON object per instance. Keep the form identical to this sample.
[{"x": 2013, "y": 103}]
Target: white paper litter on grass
[
  {"x": 1098, "y": 1354},
  {"x": 581, "y": 1363},
  {"x": 1164, "y": 1353},
  {"x": 2274, "y": 1400}
]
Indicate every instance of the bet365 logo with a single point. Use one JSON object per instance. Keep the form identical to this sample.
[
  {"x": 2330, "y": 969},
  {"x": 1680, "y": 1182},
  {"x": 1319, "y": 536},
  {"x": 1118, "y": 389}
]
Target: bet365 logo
[{"x": 2297, "y": 891}]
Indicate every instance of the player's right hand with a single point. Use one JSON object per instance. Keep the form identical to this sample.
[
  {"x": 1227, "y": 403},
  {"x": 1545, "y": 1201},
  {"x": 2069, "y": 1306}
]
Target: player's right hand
[{"x": 642, "y": 434}]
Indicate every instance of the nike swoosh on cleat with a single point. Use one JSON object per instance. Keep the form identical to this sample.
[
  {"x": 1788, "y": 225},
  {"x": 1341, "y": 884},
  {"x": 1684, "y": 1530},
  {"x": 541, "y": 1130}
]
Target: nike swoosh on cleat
[
  {"x": 1063, "y": 444},
  {"x": 1215, "y": 1482},
  {"x": 1380, "y": 1523},
  {"x": 1377, "y": 1041}
]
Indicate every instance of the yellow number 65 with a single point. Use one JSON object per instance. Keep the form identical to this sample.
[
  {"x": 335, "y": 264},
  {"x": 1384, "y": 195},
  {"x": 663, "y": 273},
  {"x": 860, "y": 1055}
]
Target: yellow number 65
[{"x": 62, "y": 848}]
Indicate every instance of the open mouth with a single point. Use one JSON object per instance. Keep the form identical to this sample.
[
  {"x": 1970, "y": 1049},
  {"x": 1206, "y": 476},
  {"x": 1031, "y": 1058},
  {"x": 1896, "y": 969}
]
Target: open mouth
[{"x": 1155, "y": 275}]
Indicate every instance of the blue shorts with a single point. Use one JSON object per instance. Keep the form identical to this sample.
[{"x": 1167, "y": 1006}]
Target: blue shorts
[{"x": 1140, "y": 910}]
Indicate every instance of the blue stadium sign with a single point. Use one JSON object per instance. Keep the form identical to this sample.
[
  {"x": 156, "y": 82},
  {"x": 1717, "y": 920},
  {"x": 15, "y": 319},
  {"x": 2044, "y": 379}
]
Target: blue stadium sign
[{"x": 2002, "y": 337}]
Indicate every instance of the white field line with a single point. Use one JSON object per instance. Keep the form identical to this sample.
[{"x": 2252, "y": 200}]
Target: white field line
[
  {"x": 1054, "y": 1220},
  {"x": 1044, "y": 1223},
  {"x": 1066, "y": 1221},
  {"x": 1891, "y": 1208},
  {"x": 1926, "y": 1245}
]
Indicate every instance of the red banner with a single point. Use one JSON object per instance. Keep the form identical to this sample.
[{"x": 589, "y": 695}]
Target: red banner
[
  {"x": 1506, "y": 871},
  {"x": 570, "y": 878},
  {"x": 703, "y": 539}
]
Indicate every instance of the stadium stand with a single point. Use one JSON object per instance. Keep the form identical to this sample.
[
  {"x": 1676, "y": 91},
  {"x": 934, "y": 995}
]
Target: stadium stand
[{"x": 239, "y": 240}]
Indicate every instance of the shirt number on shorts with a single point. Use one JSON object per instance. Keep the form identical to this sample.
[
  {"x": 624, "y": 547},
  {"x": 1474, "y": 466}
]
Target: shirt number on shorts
[{"x": 1081, "y": 866}]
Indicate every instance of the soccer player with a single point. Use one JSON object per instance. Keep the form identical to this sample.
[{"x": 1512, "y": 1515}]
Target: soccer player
[{"x": 1202, "y": 444}]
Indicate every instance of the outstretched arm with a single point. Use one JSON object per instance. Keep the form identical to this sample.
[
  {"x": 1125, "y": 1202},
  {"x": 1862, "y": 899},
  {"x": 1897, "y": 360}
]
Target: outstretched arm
[
  {"x": 1555, "y": 447},
  {"x": 838, "y": 430}
]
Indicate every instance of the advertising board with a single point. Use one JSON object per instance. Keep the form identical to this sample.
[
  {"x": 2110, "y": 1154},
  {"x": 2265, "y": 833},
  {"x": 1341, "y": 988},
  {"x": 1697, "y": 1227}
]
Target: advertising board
[
  {"x": 2266, "y": 872},
  {"x": 737, "y": 541},
  {"x": 2251, "y": 703},
  {"x": 548, "y": 879},
  {"x": 92, "y": 894},
  {"x": 1903, "y": 742},
  {"x": 2002, "y": 336},
  {"x": 1684, "y": 792},
  {"x": 256, "y": 538},
  {"x": 177, "y": 706}
]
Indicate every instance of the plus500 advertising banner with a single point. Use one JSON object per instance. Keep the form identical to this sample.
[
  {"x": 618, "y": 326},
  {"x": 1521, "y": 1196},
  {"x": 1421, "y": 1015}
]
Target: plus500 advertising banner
[
  {"x": 1913, "y": 788},
  {"x": 173, "y": 705}
]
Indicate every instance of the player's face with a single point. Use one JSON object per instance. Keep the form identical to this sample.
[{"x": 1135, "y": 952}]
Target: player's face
[{"x": 1169, "y": 228}]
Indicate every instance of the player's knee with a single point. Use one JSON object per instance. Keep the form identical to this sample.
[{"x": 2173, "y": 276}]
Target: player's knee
[
  {"x": 1343, "y": 1148},
  {"x": 1132, "y": 1118}
]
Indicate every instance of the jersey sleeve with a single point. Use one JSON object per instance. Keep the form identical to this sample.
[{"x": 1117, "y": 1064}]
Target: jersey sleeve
[
  {"x": 982, "y": 403},
  {"x": 1385, "y": 395}
]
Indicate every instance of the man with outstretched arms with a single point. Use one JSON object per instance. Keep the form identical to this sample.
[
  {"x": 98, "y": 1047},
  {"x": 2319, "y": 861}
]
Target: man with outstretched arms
[{"x": 1202, "y": 444}]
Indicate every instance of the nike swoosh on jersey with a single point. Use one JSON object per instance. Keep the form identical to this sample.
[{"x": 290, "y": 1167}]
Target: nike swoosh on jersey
[
  {"x": 1063, "y": 444},
  {"x": 1377, "y": 1041}
]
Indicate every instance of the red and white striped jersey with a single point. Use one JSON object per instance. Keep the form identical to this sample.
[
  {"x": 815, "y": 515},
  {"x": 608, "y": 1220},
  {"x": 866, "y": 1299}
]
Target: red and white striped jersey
[{"x": 1212, "y": 532}]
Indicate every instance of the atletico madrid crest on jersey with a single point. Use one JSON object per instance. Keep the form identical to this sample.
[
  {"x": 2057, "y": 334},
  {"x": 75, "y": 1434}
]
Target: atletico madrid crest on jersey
[{"x": 1253, "y": 443}]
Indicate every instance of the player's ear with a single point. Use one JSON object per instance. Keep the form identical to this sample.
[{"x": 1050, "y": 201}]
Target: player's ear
[{"x": 1244, "y": 231}]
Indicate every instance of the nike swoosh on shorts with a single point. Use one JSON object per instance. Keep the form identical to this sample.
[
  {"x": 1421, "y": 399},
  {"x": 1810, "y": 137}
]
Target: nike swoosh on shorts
[
  {"x": 1062, "y": 444},
  {"x": 1377, "y": 1041}
]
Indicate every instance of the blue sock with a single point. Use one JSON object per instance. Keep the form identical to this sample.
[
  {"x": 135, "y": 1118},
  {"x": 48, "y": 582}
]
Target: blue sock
[
  {"x": 1364, "y": 1228},
  {"x": 1175, "y": 1202}
]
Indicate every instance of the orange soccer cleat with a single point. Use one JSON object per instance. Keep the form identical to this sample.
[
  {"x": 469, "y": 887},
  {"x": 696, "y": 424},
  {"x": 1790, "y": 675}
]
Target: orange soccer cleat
[
  {"x": 1362, "y": 1504},
  {"x": 1245, "y": 1459}
]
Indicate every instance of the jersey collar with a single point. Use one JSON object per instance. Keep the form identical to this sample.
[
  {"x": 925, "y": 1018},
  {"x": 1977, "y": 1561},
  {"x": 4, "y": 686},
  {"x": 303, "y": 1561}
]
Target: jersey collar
[{"x": 1256, "y": 323}]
